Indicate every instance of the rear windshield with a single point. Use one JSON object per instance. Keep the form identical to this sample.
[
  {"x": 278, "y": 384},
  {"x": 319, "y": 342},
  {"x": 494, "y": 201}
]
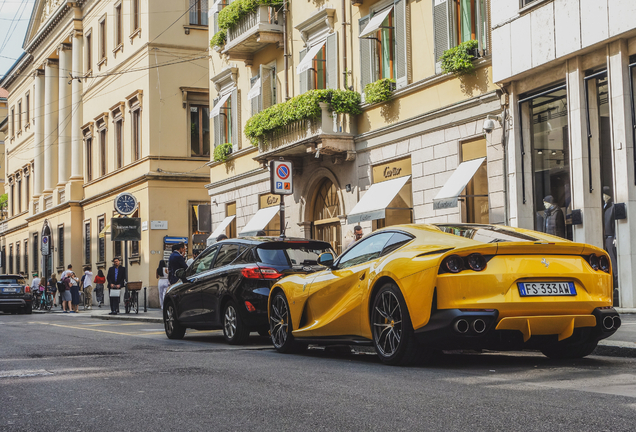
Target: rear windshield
[
  {"x": 486, "y": 233},
  {"x": 292, "y": 255},
  {"x": 11, "y": 281}
]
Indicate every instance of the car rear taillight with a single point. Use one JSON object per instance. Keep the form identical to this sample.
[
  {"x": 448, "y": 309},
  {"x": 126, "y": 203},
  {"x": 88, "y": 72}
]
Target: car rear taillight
[
  {"x": 604, "y": 264},
  {"x": 476, "y": 262},
  {"x": 27, "y": 289},
  {"x": 250, "y": 307},
  {"x": 256, "y": 272},
  {"x": 593, "y": 261},
  {"x": 453, "y": 264}
]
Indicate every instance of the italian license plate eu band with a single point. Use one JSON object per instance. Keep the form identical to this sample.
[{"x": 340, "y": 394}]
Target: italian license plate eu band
[{"x": 535, "y": 289}]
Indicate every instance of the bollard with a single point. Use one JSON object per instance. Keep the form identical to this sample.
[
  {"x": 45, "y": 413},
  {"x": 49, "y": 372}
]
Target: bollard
[{"x": 145, "y": 296}]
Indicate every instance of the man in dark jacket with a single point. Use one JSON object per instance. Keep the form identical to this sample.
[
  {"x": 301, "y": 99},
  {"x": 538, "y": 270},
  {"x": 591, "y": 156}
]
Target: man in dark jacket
[
  {"x": 116, "y": 279},
  {"x": 176, "y": 262}
]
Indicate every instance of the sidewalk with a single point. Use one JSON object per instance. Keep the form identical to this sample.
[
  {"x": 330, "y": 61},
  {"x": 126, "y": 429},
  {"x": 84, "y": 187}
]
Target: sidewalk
[{"x": 153, "y": 315}]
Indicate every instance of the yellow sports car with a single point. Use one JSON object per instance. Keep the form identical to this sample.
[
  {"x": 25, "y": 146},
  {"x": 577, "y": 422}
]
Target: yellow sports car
[{"x": 413, "y": 289}]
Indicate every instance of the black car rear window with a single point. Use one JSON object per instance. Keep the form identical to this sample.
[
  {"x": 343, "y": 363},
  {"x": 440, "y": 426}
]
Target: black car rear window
[
  {"x": 291, "y": 254},
  {"x": 486, "y": 233},
  {"x": 12, "y": 281}
]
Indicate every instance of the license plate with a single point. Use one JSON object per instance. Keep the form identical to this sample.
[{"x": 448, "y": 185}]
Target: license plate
[
  {"x": 531, "y": 289},
  {"x": 9, "y": 290}
]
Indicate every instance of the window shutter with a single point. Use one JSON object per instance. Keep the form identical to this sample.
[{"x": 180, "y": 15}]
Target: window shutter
[
  {"x": 266, "y": 87},
  {"x": 443, "y": 30},
  {"x": 193, "y": 11},
  {"x": 256, "y": 102},
  {"x": 236, "y": 113},
  {"x": 217, "y": 126},
  {"x": 401, "y": 43},
  {"x": 366, "y": 48},
  {"x": 204, "y": 12},
  {"x": 332, "y": 61},
  {"x": 303, "y": 76}
]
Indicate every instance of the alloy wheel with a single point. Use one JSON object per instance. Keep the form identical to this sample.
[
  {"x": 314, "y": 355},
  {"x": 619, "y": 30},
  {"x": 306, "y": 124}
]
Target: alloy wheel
[
  {"x": 170, "y": 319},
  {"x": 279, "y": 319},
  {"x": 229, "y": 322},
  {"x": 387, "y": 323}
]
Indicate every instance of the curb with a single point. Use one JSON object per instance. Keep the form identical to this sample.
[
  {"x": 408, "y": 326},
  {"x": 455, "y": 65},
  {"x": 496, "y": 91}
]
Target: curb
[
  {"x": 128, "y": 318},
  {"x": 615, "y": 349}
]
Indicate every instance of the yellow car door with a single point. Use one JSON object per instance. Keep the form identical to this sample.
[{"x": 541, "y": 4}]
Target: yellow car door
[{"x": 333, "y": 306}]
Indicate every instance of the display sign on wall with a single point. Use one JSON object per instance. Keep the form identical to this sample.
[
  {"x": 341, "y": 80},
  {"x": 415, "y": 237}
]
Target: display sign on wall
[
  {"x": 269, "y": 200},
  {"x": 280, "y": 173},
  {"x": 168, "y": 242},
  {"x": 391, "y": 170},
  {"x": 125, "y": 229}
]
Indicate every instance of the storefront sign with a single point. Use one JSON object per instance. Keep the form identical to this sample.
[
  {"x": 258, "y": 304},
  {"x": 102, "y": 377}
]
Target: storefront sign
[
  {"x": 125, "y": 229},
  {"x": 159, "y": 225},
  {"x": 392, "y": 170},
  {"x": 269, "y": 200},
  {"x": 281, "y": 177}
]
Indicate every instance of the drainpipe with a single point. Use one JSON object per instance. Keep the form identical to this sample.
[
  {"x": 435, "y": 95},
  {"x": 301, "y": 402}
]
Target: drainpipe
[
  {"x": 344, "y": 43},
  {"x": 285, "y": 53},
  {"x": 505, "y": 161}
]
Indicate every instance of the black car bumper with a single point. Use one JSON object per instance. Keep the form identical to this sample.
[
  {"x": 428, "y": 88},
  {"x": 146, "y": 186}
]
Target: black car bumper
[
  {"x": 457, "y": 329},
  {"x": 14, "y": 303}
]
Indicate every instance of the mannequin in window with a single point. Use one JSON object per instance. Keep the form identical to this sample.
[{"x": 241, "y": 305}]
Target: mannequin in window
[
  {"x": 553, "y": 219},
  {"x": 609, "y": 229}
]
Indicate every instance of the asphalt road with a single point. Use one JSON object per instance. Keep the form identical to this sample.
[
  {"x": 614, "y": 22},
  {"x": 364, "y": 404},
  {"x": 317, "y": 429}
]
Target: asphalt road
[{"x": 70, "y": 373}]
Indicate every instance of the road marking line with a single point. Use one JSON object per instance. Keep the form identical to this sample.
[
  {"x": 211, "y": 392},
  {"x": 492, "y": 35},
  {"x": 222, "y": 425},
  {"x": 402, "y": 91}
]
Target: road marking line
[{"x": 96, "y": 330}]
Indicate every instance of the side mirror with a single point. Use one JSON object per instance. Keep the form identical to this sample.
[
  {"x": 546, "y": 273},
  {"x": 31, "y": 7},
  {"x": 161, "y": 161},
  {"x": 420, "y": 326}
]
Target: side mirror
[
  {"x": 180, "y": 273},
  {"x": 326, "y": 259}
]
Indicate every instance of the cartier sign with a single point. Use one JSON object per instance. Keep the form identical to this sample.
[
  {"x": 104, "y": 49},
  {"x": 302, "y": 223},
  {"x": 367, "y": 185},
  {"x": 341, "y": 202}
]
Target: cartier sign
[
  {"x": 391, "y": 170},
  {"x": 269, "y": 200}
]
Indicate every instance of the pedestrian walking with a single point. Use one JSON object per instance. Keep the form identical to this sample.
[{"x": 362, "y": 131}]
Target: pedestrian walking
[
  {"x": 176, "y": 262},
  {"x": 100, "y": 279},
  {"x": 64, "y": 287},
  {"x": 75, "y": 291},
  {"x": 162, "y": 275},
  {"x": 116, "y": 279},
  {"x": 52, "y": 287},
  {"x": 87, "y": 285}
]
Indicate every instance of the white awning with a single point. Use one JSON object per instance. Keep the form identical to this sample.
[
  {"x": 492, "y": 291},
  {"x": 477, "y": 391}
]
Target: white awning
[
  {"x": 447, "y": 196},
  {"x": 217, "y": 108},
  {"x": 375, "y": 22},
  {"x": 305, "y": 63},
  {"x": 374, "y": 203},
  {"x": 260, "y": 220},
  {"x": 255, "y": 90},
  {"x": 220, "y": 229}
]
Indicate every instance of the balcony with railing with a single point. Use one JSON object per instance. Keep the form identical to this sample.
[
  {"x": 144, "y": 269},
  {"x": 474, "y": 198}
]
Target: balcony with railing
[
  {"x": 254, "y": 31},
  {"x": 330, "y": 134}
]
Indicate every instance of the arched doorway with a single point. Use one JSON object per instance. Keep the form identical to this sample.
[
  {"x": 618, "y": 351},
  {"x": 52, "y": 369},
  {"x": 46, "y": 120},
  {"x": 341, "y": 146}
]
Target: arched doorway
[{"x": 326, "y": 208}]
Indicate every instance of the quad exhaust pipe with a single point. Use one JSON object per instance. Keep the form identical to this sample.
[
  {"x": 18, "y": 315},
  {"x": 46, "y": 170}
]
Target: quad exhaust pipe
[
  {"x": 611, "y": 322},
  {"x": 462, "y": 326},
  {"x": 479, "y": 326}
]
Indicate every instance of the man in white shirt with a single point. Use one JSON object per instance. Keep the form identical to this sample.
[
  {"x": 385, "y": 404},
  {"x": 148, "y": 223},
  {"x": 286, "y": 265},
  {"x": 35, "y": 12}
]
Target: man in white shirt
[{"x": 35, "y": 283}]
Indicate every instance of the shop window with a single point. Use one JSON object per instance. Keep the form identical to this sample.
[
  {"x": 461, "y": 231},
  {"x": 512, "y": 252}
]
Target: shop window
[
  {"x": 117, "y": 250},
  {"x": 230, "y": 210},
  {"x": 326, "y": 223},
  {"x": 196, "y": 237},
  {"x": 226, "y": 120},
  {"x": 384, "y": 44},
  {"x": 476, "y": 208},
  {"x": 547, "y": 114},
  {"x": 36, "y": 253},
  {"x": 199, "y": 12},
  {"x": 60, "y": 246},
  {"x": 458, "y": 21},
  {"x": 200, "y": 130},
  {"x": 271, "y": 200}
]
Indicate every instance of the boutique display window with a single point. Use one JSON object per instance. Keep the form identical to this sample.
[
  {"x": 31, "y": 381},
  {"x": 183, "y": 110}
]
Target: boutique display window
[{"x": 548, "y": 130}]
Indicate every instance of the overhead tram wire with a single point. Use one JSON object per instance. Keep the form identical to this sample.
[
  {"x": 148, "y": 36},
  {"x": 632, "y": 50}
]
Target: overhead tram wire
[{"x": 14, "y": 24}]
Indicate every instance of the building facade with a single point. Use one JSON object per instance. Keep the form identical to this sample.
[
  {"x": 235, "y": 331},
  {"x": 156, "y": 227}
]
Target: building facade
[
  {"x": 106, "y": 99},
  {"x": 567, "y": 68},
  {"x": 4, "y": 124},
  {"x": 420, "y": 156}
]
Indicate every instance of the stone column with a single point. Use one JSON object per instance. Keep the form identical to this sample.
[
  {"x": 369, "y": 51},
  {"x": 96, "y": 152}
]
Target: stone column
[
  {"x": 38, "y": 135},
  {"x": 624, "y": 175},
  {"x": 64, "y": 117},
  {"x": 51, "y": 96},
  {"x": 77, "y": 107}
]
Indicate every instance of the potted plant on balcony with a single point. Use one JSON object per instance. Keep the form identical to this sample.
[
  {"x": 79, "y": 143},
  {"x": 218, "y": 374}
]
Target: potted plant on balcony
[
  {"x": 379, "y": 91},
  {"x": 218, "y": 40},
  {"x": 222, "y": 152},
  {"x": 230, "y": 15},
  {"x": 459, "y": 60}
]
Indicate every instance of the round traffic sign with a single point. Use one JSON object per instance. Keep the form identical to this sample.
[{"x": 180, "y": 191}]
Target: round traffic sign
[{"x": 282, "y": 172}]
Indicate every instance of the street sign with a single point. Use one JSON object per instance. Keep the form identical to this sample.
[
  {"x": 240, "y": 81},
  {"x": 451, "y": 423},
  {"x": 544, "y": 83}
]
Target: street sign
[
  {"x": 125, "y": 229},
  {"x": 46, "y": 245},
  {"x": 281, "y": 177}
]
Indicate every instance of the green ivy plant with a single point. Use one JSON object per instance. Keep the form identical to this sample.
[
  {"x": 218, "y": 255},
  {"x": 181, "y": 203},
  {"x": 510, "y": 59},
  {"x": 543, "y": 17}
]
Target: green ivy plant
[
  {"x": 219, "y": 39},
  {"x": 230, "y": 15},
  {"x": 379, "y": 91},
  {"x": 302, "y": 107},
  {"x": 222, "y": 152},
  {"x": 459, "y": 60}
]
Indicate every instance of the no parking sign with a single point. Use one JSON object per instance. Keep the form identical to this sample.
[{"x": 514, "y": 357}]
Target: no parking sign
[{"x": 280, "y": 174}]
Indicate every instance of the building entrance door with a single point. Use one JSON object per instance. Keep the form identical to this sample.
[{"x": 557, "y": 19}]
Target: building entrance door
[{"x": 326, "y": 224}]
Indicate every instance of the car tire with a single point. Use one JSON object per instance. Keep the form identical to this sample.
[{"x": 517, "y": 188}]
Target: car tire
[
  {"x": 393, "y": 335},
  {"x": 235, "y": 331},
  {"x": 174, "y": 330},
  {"x": 280, "y": 326},
  {"x": 569, "y": 351},
  {"x": 264, "y": 332},
  {"x": 28, "y": 309}
]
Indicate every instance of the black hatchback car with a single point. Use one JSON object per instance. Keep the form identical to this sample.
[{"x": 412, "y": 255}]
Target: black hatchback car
[
  {"x": 227, "y": 286},
  {"x": 15, "y": 294}
]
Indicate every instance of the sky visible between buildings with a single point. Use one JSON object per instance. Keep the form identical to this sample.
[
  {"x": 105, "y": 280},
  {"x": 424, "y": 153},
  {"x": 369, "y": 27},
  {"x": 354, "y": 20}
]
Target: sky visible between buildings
[{"x": 14, "y": 20}]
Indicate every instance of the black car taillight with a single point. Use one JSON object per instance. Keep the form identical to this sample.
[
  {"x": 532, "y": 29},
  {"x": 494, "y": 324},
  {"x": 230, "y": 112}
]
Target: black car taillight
[
  {"x": 593, "y": 261},
  {"x": 604, "y": 263},
  {"x": 256, "y": 272},
  {"x": 476, "y": 262},
  {"x": 453, "y": 264}
]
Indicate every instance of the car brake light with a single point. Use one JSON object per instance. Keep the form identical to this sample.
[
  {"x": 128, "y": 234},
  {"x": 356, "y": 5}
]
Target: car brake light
[
  {"x": 454, "y": 264},
  {"x": 256, "y": 272},
  {"x": 593, "y": 261},
  {"x": 27, "y": 289},
  {"x": 476, "y": 261},
  {"x": 604, "y": 264},
  {"x": 250, "y": 307}
]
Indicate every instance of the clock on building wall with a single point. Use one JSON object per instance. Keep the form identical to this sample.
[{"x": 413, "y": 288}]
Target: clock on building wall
[{"x": 125, "y": 203}]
